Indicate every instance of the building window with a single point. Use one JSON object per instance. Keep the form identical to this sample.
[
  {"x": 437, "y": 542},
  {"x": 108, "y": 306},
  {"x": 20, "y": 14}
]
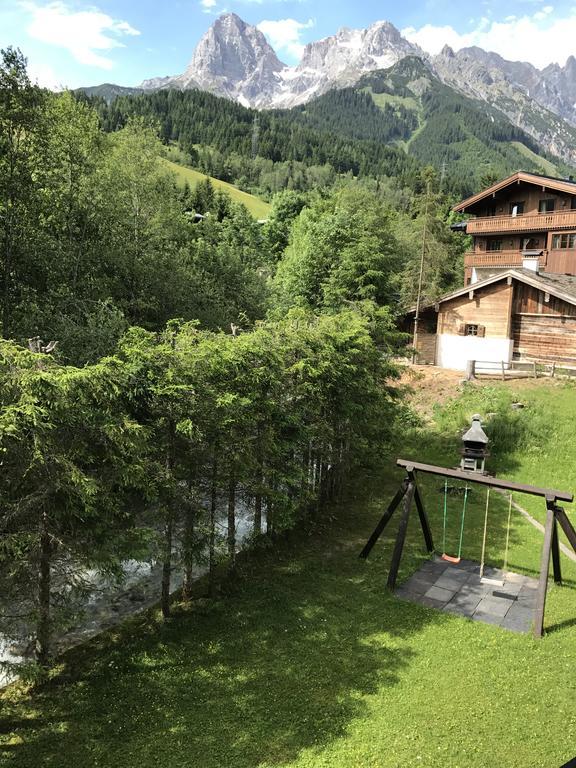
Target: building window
[
  {"x": 567, "y": 240},
  {"x": 531, "y": 244},
  {"x": 573, "y": 204},
  {"x": 517, "y": 209},
  {"x": 471, "y": 329},
  {"x": 491, "y": 210},
  {"x": 546, "y": 206},
  {"x": 494, "y": 245}
]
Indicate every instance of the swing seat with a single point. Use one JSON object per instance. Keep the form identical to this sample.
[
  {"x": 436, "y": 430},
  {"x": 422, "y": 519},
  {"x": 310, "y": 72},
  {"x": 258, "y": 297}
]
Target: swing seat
[
  {"x": 494, "y": 582},
  {"x": 451, "y": 558}
]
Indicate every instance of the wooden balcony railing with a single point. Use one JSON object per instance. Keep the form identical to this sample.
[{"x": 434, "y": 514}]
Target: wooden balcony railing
[
  {"x": 494, "y": 259},
  {"x": 531, "y": 222}
]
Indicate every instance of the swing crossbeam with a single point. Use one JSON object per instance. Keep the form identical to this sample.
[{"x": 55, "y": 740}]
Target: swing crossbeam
[
  {"x": 494, "y": 482},
  {"x": 409, "y": 493}
]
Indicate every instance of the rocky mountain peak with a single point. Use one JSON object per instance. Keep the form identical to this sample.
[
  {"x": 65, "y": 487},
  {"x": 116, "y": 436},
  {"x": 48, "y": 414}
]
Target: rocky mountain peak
[
  {"x": 234, "y": 59},
  {"x": 230, "y": 52}
]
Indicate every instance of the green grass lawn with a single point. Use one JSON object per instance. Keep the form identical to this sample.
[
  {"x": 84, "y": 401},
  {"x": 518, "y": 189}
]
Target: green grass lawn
[
  {"x": 258, "y": 208},
  {"x": 307, "y": 661}
]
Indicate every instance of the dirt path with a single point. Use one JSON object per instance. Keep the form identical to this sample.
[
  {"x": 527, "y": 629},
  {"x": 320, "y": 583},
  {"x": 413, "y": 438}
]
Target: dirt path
[{"x": 430, "y": 386}]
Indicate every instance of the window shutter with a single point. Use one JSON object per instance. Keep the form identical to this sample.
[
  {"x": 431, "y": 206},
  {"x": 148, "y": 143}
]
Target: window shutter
[
  {"x": 481, "y": 330},
  {"x": 461, "y": 330}
]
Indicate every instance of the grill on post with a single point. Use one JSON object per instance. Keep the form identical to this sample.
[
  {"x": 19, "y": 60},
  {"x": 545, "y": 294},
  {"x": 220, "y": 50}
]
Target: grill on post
[{"x": 474, "y": 447}]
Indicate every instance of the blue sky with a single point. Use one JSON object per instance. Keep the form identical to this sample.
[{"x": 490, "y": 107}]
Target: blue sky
[{"x": 73, "y": 42}]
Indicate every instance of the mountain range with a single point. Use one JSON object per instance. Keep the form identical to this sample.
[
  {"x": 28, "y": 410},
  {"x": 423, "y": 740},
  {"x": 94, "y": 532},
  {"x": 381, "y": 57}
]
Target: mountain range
[{"x": 234, "y": 60}]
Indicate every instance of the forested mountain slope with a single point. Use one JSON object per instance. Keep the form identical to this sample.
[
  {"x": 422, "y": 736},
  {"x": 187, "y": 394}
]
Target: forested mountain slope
[{"x": 390, "y": 124}]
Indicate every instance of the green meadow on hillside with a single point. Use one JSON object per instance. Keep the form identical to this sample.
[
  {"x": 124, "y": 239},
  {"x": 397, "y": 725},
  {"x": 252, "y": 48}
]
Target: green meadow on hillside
[
  {"x": 305, "y": 661},
  {"x": 258, "y": 208}
]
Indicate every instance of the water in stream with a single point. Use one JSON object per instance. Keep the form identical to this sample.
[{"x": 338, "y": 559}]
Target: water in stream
[{"x": 108, "y": 603}]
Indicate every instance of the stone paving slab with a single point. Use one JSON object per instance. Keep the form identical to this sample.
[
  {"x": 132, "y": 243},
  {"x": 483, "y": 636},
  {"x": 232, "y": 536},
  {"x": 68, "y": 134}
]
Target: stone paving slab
[{"x": 457, "y": 589}]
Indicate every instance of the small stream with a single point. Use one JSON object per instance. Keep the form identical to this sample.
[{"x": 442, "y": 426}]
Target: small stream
[{"x": 108, "y": 603}]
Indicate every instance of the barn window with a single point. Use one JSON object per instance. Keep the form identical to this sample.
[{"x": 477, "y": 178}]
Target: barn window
[
  {"x": 471, "y": 329},
  {"x": 517, "y": 208},
  {"x": 494, "y": 245},
  {"x": 566, "y": 240},
  {"x": 546, "y": 206}
]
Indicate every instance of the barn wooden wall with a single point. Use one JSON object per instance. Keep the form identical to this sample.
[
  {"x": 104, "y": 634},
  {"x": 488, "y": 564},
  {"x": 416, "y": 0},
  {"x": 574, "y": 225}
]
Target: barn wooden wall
[
  {"x": 544, "y": 330},
  {"x": 489, "y": 307},
  {"x": 545, "y": 337},
  {"x": 533, "y": 301},
  {"x": 426, "y": 348}
]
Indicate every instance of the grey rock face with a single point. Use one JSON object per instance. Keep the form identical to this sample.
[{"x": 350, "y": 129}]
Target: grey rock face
[
  {"x": 539, "y": 102},
  {"x": 233, "y": 59}
]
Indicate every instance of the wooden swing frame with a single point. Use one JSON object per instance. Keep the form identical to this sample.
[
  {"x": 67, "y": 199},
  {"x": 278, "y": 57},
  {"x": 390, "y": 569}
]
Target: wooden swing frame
[{"x": 409, "y": 492}]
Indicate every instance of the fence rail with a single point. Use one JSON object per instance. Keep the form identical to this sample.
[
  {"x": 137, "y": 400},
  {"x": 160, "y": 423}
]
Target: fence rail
[{"x": 520, "y": 369}]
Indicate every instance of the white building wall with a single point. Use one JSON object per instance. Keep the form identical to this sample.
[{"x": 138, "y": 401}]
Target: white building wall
[{"x": 454, "y": 351}]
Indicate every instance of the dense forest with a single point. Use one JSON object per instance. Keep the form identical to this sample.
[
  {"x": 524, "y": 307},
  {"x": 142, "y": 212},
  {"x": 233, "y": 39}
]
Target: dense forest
[
  {"x": 165, "y": 358},
  {"x": 391, "y": 124}
]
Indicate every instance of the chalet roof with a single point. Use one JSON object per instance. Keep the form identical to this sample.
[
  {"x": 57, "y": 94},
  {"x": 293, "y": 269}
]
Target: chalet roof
[
  {"x": 548, "y": 182},
  {"x": 560, "y": 286}
]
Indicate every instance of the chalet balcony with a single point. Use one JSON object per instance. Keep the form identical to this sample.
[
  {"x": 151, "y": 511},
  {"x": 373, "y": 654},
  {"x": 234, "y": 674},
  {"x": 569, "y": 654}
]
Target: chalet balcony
[
  {"x": 493, "y": 259},
  {"x": 529, "y": 222}
]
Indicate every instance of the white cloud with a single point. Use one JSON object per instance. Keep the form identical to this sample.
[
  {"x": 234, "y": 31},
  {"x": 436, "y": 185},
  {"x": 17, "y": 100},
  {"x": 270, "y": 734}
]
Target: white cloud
[
  {"x": 44, "y": 75},
  {"x": 83, "y": 33},
  {"x": 208, "y": 5},
  {"x": 284, "y": 35},
  {"x": 539, "y": 38}
]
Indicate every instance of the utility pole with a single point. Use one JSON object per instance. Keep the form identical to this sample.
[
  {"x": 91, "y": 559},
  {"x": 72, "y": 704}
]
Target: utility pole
[{"x": 419, "y": 294}]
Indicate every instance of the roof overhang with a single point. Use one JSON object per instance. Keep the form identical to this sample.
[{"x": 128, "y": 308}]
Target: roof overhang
[
  {"x": 558, "y": 185},
  {"x": 509, "y": 275}
]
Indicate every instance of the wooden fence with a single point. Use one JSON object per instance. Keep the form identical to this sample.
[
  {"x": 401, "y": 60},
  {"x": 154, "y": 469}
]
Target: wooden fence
[{"x": 519, "y": 369}]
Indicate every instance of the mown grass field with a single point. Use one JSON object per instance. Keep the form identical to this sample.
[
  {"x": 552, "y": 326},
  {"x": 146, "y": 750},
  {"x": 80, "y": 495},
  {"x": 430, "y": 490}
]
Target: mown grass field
[
  {"x": 258, "y": 208},
  {"x": 306, "y": 661}
]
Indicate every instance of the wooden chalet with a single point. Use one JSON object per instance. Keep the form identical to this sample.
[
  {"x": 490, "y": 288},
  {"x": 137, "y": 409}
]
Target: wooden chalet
[
  {"x": 526, "y": 221},
  {"x": 519, "y": 296},
  {"x": 511, "y": 315}
]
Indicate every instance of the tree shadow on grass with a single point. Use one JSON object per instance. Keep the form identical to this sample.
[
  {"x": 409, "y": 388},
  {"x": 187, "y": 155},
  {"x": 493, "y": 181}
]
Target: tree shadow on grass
[{"x": 283, "y": 663}]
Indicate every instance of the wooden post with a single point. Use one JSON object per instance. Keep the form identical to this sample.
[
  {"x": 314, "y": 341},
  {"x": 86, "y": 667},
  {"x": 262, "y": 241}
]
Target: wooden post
[
  {"x": 556, "y": 553},
  {"x": 544, "y": 567},
  {"x": 470, "y": 370},
  {"x": 400, "y": 537},
  {"x": 567, "y": 527},
  {"x": 535, "y": 372},
  {"x": 552, "y": 372},
  {"x": 424, "y": 522},
  {"x": 503, "y": 372},
  {"x": 385, "y": 519}
]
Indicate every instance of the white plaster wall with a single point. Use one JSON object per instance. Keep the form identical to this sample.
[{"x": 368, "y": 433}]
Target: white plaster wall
[{"x": 454, "y": 351}]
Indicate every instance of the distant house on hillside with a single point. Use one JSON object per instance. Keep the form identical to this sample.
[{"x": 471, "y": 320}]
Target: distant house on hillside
[{"x": 519, "y": 297}]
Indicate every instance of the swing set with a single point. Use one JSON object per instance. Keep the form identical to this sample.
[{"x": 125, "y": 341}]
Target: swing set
[
  {"x": 455, "y": 559},
  {"x": 409, "y": 493}
]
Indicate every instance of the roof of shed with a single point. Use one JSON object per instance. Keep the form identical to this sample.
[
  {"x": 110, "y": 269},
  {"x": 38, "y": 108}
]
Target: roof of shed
[{"x": 561, "y": 286}]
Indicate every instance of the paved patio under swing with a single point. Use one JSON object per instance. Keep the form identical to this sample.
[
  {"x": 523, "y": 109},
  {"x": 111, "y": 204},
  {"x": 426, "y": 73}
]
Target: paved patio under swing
[{"x": 456, "y": 588}]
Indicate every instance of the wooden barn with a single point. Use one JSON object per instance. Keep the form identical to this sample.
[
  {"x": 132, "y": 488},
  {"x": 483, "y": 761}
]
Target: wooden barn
[{"x": 512, "y": 315}]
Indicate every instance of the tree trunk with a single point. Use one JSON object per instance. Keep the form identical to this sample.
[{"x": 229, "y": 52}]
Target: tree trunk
[
  {"x": 43, "y": 628},
  {"x": 270, "y": 507},
  {"x": 212, "y": 534},
  {"x": 258, "y": 497},
  {"x": 167, "y": 568},
  {"x": 232, "y": 520},
  {"x": 168, "y": 526},
  {"x": 188, "y": 554}
]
